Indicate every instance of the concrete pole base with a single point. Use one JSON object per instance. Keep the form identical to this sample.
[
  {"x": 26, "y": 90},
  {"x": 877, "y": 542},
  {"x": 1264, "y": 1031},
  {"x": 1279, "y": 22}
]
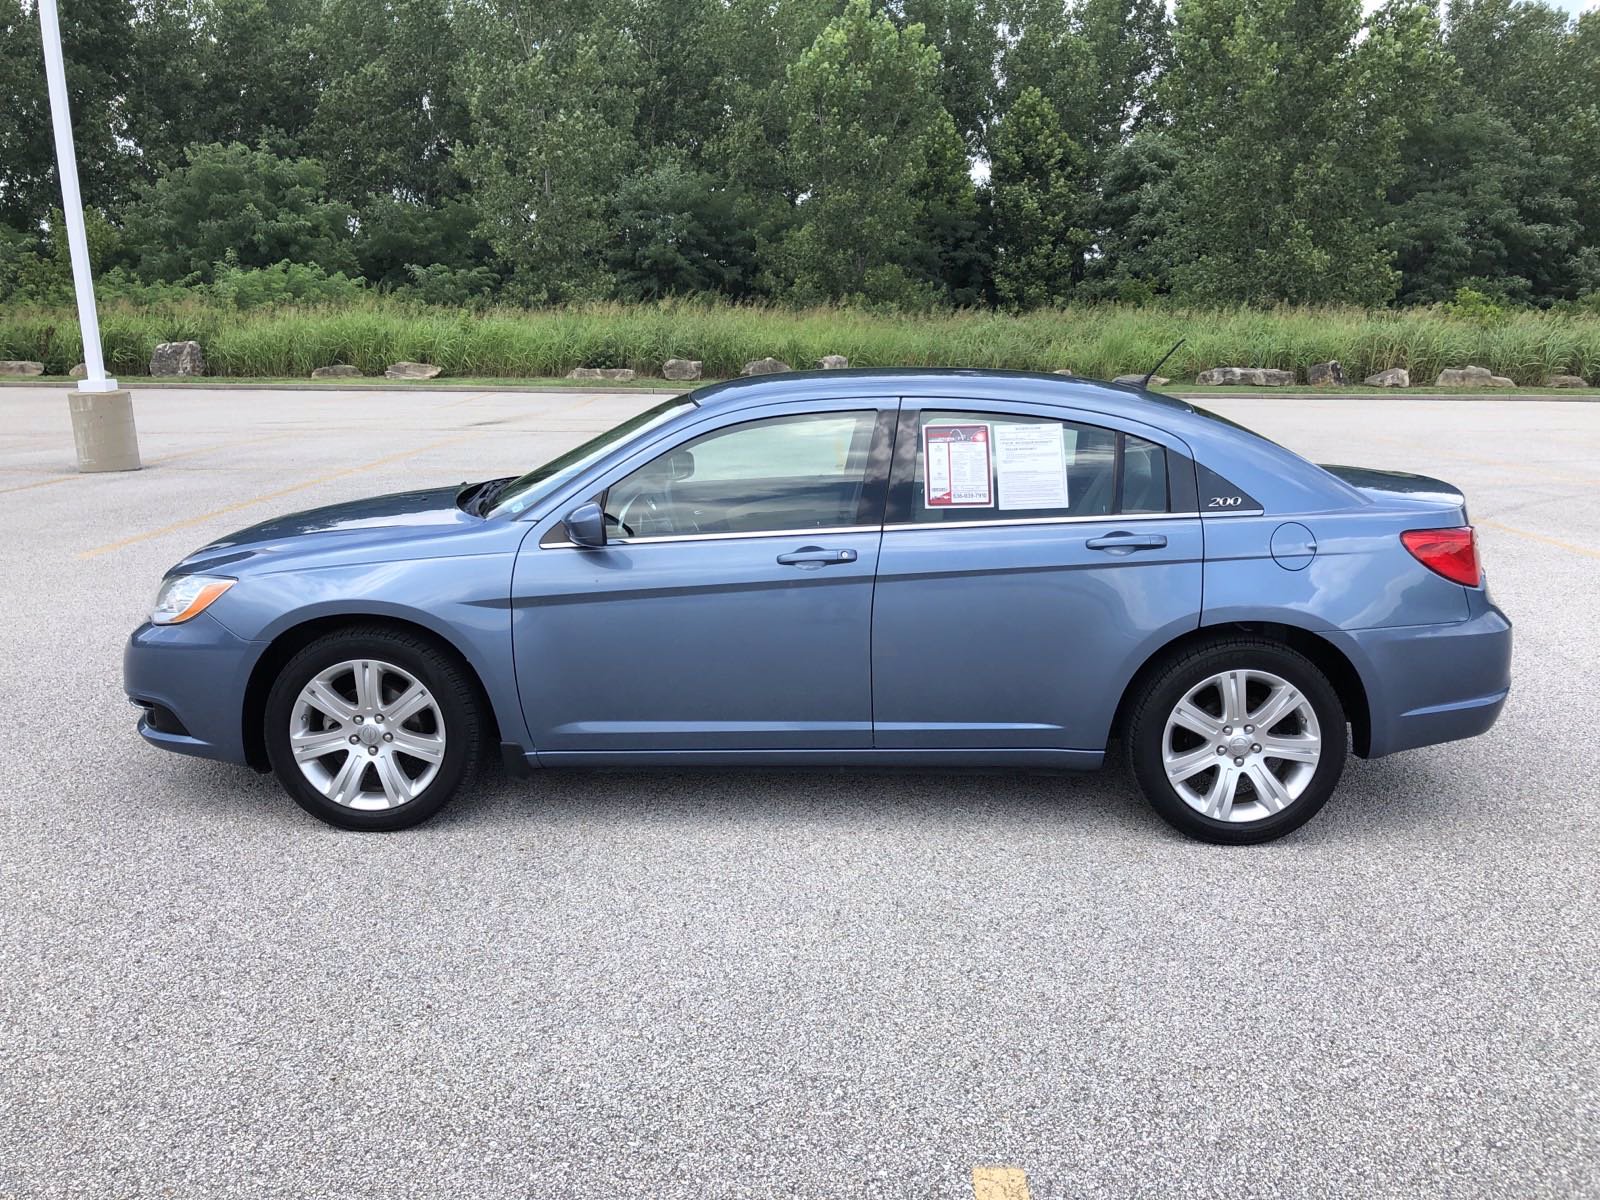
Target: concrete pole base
[{"x": 103, "y": 432}]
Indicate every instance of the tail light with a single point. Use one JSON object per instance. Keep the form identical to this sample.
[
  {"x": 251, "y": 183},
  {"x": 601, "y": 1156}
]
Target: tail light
[{"x": 1452, "y": 553}]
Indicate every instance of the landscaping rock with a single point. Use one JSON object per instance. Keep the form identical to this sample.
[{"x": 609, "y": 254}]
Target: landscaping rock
[
  {"x": 412, "y": 370},
  {"x": 20, "y": 366},
  {"x": 177, "y": 358},
  {"x": 681, "y": 368},
  {"x": 1389, "y": 377},
  {"x": 1138, "y": 380},
  {"x": 1062, "y": 371},
  {"x": 338, "y": 371},
  {"x": 1471, "y": 377},
  {"x": 1253, "y": 376},
  {"x": 81, "y": 371},
  {"x": 833, "y": 362},
  {"x": 1566, "y": 381},
  {"x": 766, "y": 366},
  {"x": 1327, "y": 374},
  {"x": 620, "y": 374}
]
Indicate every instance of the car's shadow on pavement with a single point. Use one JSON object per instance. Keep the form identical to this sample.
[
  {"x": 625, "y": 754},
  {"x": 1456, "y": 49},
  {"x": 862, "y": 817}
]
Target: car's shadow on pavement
[{"x": 1388, "y": 798}]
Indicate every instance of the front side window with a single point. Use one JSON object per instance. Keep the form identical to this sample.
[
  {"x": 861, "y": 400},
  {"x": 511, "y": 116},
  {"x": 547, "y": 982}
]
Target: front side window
[{"x": 770, "y": 476}]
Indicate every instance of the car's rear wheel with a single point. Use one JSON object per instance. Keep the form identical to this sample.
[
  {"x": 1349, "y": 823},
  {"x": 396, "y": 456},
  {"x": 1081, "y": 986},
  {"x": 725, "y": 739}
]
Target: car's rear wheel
[
  {"x": 1237, "y": 740},
  {"x": 372, "y": 729}
]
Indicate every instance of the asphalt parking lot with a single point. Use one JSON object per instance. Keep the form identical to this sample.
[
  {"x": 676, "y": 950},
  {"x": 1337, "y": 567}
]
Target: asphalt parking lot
[{"x": 775, "y": 984}]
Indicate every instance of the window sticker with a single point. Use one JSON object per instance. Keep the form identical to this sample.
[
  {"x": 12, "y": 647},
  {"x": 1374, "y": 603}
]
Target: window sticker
[
  {"x": 957, "y": 471},
  {"x": 1031, "y": 462}
]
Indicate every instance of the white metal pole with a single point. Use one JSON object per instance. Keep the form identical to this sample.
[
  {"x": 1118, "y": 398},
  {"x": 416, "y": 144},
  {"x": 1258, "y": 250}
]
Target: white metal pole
[{"x": 72, "y": 202}]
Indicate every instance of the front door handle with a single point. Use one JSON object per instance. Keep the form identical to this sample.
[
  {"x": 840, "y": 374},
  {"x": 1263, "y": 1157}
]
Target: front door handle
[
  {"x": 1123, "y": 542},
  {"x": 816, "y": 556}
]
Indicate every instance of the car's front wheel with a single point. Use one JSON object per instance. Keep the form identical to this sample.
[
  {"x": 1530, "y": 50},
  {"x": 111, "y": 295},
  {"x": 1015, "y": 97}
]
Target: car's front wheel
[
  {"x": 372, "y": 729},
  {"x": 1237, "y": 740}
]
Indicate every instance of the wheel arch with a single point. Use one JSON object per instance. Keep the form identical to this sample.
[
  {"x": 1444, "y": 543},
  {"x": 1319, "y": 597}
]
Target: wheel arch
[
  {"x": 290, "y": 641},
  {"x": 1328, "y": 658}
]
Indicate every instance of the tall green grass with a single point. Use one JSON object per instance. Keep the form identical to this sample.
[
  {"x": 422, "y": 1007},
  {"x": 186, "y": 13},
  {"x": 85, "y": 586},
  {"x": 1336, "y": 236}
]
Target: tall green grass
[{"x": 1100, "y": 341}]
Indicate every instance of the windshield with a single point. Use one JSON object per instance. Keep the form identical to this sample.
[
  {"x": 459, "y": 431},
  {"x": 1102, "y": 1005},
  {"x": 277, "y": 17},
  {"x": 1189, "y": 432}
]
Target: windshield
[{"x": 542, "y": 480}]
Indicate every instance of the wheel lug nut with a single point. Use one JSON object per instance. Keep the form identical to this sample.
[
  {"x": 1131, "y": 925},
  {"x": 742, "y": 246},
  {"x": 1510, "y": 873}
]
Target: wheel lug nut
[
  {"x": 1220, "y": 749},
  {"x": 354, "y": 739},
  {"x": 378, "y": 718},
  {"x": 372, "y": 749},
  {"x": 389, "y": 737},
  {"x": 1256, "y": 749},
  {"x": 1225, "y": 728},
  {"x": 1247, "y": 728},
  {"x": 358, "y": 720},
  {"x": 1238, "y": 762}
]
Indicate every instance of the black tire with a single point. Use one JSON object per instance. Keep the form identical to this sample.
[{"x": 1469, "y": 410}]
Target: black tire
[
  {"x": 440, "y": 672},
  {"x": 1172, "y": 681}
]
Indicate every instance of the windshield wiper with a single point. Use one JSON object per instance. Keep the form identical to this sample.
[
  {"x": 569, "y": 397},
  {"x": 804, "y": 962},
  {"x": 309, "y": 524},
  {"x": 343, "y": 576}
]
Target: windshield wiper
[{"x": 487, "y": 494}]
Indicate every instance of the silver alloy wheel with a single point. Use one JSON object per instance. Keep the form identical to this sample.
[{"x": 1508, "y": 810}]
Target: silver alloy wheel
[
  {"x": 367, "y": 734},
  {"x": 1241, "y": 727}
]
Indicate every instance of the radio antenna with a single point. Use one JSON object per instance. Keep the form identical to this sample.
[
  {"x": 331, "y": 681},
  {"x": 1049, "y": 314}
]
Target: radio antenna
[{"x": 1145, "y": 382}]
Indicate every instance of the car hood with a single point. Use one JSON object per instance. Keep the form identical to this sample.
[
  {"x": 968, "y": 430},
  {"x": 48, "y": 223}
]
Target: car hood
[{"x": 399, "y": 517}]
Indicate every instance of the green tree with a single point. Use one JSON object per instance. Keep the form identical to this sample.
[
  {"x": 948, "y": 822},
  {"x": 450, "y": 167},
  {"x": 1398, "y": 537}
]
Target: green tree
[
  {"x": 678, "y": 233},
  {"x": 966, "y": 34},
  {"x": 94, "y": 45},
  {"x": 552, "y": 111},
  {"x": 247, "y": 206},
  {"x": 863, "y": 112},
  {"x": 1040, "y": 212},
  {"x": 1287, "y": 114},
  {"x": 1135, "y": 218}
]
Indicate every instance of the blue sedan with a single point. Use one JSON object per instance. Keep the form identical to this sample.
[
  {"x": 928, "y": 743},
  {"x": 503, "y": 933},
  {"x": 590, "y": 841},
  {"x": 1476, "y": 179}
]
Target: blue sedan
[{"x": 929, "y": 569}]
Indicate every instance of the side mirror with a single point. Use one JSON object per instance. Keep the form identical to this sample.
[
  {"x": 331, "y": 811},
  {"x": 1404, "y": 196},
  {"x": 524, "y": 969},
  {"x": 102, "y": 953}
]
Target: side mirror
[
  {"x": 586, "y": 525},
  {"x": 680, "y": 465}
]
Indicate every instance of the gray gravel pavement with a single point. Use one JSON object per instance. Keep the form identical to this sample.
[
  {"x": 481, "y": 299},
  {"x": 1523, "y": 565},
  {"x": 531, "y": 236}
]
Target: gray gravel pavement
[{"x": 758, "y": 984}]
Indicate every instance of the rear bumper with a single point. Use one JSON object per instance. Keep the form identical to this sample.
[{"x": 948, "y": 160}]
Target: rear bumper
[
  {"x": 1427, "y": 684},
  {"x": 190, "y": 681}
]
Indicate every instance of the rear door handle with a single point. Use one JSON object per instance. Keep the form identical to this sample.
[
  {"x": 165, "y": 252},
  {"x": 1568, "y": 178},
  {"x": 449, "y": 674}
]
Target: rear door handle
[
  {"x": 1122, "y": 542},
  {"x": 816, "y": 556}
]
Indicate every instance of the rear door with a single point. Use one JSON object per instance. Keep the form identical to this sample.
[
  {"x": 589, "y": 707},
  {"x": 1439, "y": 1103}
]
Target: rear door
[{"x": 1029, "y": 564}]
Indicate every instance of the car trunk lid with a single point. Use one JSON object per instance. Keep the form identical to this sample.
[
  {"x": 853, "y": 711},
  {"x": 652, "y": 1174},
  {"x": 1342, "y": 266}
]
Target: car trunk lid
[{"x": 1402, "y": 487}]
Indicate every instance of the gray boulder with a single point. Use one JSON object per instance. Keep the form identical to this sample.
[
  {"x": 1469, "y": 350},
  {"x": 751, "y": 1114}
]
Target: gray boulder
[
  {"x": 1138, "y": 380},
  {"x": 1062, "y": 371},
  {"x": 412, "y": 370},
  {"x": 20, "y": 366},
  {"x": 1326, "y": 374},
  {"x": 833, "y": 362},
  {"x": 1565, "y": 381},
  {"x": 337, "y": 371},
  {"x": 1472, "y": 377},
  {"x": 81, "y": 371},
  {"x": 1251, "y": 376},
  {"x": 1389, "y": 377},
  {"x": 766, "y": 366},
  {"x": 681, "y": 368},
  {"x": 177, "y": 358},
  {"x": 619, "y": 374}
]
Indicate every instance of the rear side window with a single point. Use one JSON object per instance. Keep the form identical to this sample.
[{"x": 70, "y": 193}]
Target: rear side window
[
  {"x": 1011, "y": 466},
  {"x": 1144, "y": 476}
]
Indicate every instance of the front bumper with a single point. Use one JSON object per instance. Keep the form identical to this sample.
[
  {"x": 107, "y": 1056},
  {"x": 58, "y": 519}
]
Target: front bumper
[
  {"x": 190, "y": 679},
  {"x": 1427, "y": 684}
]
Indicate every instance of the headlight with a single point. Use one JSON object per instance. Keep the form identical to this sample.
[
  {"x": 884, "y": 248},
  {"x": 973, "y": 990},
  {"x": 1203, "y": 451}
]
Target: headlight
[{"x": 186, "y": 596}]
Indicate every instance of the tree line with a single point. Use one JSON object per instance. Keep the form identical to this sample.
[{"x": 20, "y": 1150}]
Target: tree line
[{"x": 902, "y": 153}]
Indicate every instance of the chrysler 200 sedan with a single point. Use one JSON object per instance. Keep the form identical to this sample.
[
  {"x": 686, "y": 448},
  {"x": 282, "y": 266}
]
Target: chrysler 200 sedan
[{"x": 932, "y": 569}]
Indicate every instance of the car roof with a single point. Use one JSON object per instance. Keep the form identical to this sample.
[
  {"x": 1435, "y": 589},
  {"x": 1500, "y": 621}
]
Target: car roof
[
  {"x": 974, "y": 383},
  {"x": 1277, "y": 477}
]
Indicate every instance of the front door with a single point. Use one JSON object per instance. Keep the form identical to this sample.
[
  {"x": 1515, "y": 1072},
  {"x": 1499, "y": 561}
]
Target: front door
[
  {"x": 1029, "y": 565},
  {"x": 731, "y": 608}
]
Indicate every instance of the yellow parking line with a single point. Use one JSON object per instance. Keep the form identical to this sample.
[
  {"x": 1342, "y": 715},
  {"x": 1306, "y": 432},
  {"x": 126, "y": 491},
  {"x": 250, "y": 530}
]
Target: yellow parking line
[
  {"x": 1539, "y": 537},
  {"x": 999, "y": 1183},
  {"x": 262, "y": 499},
  {"x": 23, "y": 487}
]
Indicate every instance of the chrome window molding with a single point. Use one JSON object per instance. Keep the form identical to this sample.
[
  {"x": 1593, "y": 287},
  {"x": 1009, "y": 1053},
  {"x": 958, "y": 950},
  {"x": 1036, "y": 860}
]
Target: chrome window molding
[
  {"x": 808, "y": 531},
  {"x": 1104, "y": 518}
]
